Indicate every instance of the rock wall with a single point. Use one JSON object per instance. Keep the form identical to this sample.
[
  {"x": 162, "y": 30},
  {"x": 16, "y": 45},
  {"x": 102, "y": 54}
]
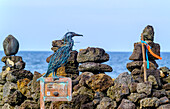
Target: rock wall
[
  {"x": 14, "y": 80},
  {"x": 93, "y": 89}
]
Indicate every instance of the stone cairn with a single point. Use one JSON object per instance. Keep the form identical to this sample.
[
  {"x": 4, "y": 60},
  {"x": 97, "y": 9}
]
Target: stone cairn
[
  {"x": 18, "y": 87},
  {"x": 155, "y": 92},
  {"x": 71, "y": 68},
  {"x": 91, "y": 59}
]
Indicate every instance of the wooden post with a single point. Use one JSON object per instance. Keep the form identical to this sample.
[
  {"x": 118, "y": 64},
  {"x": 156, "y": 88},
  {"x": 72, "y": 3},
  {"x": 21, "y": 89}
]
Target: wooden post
[
  {"x": 144, "y": 59},
  {"x": 42, "y": 102}
]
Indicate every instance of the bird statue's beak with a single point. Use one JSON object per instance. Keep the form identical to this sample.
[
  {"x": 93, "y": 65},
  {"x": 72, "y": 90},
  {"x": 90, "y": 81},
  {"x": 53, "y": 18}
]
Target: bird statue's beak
[{"x": 78, "y": 35}]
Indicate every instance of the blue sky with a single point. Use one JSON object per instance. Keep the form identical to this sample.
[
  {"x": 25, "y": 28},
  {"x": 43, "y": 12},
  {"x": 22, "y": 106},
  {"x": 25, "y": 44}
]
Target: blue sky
[{"x": 110, "y": 24}]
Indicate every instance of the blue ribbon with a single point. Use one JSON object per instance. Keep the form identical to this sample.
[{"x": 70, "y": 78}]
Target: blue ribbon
[{"x": 147, "y": 59}]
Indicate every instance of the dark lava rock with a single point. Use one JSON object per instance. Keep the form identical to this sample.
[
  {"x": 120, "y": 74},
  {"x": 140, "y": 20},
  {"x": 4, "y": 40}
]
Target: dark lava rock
[
  {"x": 87, "y": 106},
  {"x": 156, "y": 74},
  {"x": 159, "y": 93},
  {"x": 54, "y": 48},
  {"x": 99, "y": 95},
  {"x": 152, "y": 66},
  {"x": 35, "y": 86},
  {"x": 153, "y": 80},
  {"x": 126, "y": 104},
  {"x": 11, "y": 78},
  {"x": 99, "y": 82},
  {"x": 92, "y": 55},
  {"x": 137, "y": 52},
  {"x": 124, "y": 78},
  {"x": 15, "y": 59},
  {"x": 148, "y": 33},
  {"x": 165, "y": 106},
  {"x": 84, "y": 91},
  {"x": 20, "y": 65},
  {"x": 163, "y": 100},
  {"x": 136, "y": 71},
  {"x": 57, "y": 43},
  {"x": 164, "y": 69},
  {"x": 132, "y": 87},
  {"x": 1, "y": 80},
  {"x": 20, "y": 74},
  {"x": 79, "y": 100},
  {"x": 8, "y": 89},
  {"x": 29, "y": 104},
  {"x": 94, "y": 67},
  {"x": 166, "y": 86},
  {"x": 168, "y": 94},
  {"x": 107, "y": 103},
  {"x": 83, "y": 77},
  {"x": 145, "y": 87},
  {"x": 10, "y": 45},
  {"x": 117, "y": 92},
  {"x": 7, "y": 106},
  {"x": 135, "y": 97},
  {"x": 149, "y": 103},
  {"x": 132, "y": 65},
  {"x": 16, "y": 98}
]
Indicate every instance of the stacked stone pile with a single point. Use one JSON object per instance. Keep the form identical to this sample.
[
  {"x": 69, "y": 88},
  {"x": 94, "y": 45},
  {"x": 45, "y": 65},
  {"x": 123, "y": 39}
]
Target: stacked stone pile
[
  {"x": 91, "y": 60},
  {"x": 136, "y": 67},
  {"x": 18, "y": 87},
  {"x": 71, "y": 68}
]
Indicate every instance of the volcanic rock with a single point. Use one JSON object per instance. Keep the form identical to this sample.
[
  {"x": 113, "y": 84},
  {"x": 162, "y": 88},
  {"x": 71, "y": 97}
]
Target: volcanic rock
[
  {"x": 8, "y": 89},
  {"x": 152, "y": 79},
  {"x": 7, "y": 106},
  {"x": 20, "y": 65},
  {"x": 168, "y": 94},
  {"x": 164, "y": 69},
  {"x": 57, "y": 43},
  {"x": 132, "y": 87},
  {"x": 92, "y": 55},
  {"x": 16, "y": 98},
  {"x": 107, "y": 103},
  {"x": 99, "y": 82},
  {"x": 54, "y": 48},
  {"x": 84, "y": 91},
  {"x": 166, "y": 86},
  {"x": 15, "y": 59},
  {"x": 124, "y": 78},
  {"x": 145, "y": 87},
  {"x": 165, "y": 106},
  {"x": 132, "y": 65},
  {"x": 126, "y": 104},
  {"x": 10, "y": 45},
  {"x": 159, "y": 93},
  {"x": 135, "y": 97},
  {"x": 83, "y": 77},
  {"x": 29, "y": 104},
  {"x": 79, "y": 100},
  {"x": 23, "y": 87},
  {"x": 21, "y": 74},
  {"x": 94, "y": 67},
  {"x": 87, "y": 106},
  {"x": 117, "y": 92},
  {"x": 137, "y": 52},
  {"x": 149, "y": 102},
  {"x": 163, "y": 100},
  {"x": 35, "y": 86}
]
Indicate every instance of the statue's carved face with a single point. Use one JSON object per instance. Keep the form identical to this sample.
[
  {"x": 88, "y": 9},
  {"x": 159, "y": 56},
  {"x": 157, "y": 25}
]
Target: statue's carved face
[{"x": 148, "y": 33}]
